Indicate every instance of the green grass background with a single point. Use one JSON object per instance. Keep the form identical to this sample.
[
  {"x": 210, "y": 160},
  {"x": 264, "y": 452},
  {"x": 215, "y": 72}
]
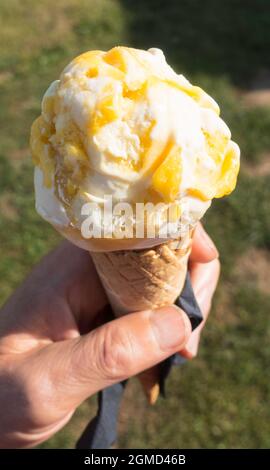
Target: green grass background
[{"x": 221, "y": 399}]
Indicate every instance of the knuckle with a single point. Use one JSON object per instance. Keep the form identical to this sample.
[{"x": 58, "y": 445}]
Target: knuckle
[
  {"x": 21, "y": 388},
  {"x": 217, "y": 267},
  {"x": 37, "y": 396},
  {"x": 35, "y": 393}
]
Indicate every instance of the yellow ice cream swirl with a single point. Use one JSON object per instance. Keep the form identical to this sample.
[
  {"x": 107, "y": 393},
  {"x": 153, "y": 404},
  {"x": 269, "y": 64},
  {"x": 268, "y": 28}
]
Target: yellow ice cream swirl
[{"x": 123, "y": 122}]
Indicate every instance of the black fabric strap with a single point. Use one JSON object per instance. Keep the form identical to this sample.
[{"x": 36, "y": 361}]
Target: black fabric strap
[
  {"x": 101, "y": 432},
  {"x": 188, "y": 303}
]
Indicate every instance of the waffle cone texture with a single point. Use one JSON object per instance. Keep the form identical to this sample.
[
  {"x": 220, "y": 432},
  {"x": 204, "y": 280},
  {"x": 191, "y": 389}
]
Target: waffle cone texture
[{"x": 137, "y": 280}]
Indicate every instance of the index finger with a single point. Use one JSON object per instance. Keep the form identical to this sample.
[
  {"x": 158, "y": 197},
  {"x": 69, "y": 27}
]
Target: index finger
[{"x": 203, "y": 247}]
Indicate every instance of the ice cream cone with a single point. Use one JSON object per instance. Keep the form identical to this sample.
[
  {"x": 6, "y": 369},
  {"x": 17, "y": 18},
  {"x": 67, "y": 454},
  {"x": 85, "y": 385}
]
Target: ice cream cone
[
  {"x": 137, "y": 280},
  {"x": 150, "y": 382},
  {"x": 121, "y": 128}
]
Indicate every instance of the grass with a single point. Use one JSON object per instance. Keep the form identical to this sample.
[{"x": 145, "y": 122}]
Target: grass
[{"x": 222, "y": 399}]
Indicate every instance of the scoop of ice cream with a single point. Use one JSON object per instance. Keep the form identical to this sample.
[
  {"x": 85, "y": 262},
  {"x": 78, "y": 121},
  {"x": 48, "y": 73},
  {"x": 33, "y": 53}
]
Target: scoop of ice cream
[{"x": 122, "y": 123}]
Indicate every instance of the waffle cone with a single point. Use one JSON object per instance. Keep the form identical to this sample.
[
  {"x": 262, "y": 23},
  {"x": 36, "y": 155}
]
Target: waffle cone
[{"x": 137, "y": 280}]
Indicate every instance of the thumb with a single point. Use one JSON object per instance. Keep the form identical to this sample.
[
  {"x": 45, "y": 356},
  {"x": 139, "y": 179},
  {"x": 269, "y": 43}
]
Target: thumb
[{"x": 117, "y": 350}]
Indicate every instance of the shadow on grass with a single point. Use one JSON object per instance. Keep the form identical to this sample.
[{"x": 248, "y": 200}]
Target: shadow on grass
[{"x": 218, "y": 38}]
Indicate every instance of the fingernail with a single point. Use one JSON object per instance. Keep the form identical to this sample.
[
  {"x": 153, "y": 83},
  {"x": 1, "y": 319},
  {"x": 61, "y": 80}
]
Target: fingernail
[
  {"x": 208, "y": 241},
  {"x": 171, "y": 327}
]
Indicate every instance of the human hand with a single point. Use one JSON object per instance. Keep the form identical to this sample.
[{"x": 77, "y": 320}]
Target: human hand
[{"x": 54, "y": 354}]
